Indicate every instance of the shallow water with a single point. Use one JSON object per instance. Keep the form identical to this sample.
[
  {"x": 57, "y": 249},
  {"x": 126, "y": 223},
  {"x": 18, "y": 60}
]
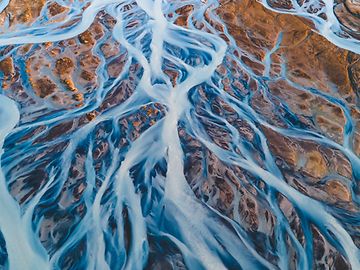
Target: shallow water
[{"x": 179, "y": 134}]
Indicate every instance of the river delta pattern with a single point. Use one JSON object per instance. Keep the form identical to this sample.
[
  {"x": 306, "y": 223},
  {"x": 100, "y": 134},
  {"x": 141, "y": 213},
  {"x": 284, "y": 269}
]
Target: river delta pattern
[{"x": 179, "y": 134}]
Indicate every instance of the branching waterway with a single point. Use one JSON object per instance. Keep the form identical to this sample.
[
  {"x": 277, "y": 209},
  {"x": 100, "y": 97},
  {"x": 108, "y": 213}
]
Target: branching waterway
[{"x": 143, "y": 144}]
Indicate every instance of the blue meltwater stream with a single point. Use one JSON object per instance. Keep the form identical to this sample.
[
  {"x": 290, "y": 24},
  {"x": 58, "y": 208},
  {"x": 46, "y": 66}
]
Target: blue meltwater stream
[{"x": 120, "y": 190}]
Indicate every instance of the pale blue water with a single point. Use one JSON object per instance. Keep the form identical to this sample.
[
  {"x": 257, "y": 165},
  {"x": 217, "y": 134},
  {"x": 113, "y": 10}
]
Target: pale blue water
[{"x": 137, "y": 205}]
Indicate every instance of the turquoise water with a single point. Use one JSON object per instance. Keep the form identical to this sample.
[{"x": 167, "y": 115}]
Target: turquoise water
[{"x": 135, "y": 203}]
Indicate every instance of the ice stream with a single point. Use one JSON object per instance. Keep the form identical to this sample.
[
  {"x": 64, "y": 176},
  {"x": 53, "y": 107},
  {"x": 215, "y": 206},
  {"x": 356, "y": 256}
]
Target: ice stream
[{"x": 117, "y": 191}]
